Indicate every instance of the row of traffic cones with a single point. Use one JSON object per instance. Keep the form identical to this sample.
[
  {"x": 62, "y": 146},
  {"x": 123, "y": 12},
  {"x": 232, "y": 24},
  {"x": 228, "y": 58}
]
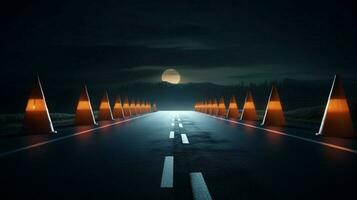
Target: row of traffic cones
[
  {"x": 213, "y": 107},
  {"x": 336, "y": 119},
  {"x": 37, "y": 118}
]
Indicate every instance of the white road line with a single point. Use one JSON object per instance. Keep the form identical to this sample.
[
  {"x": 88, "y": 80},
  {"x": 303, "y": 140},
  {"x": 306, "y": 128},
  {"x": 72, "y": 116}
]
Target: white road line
[
  {"x": 67, "y": 136},
  {"x": 180, "y": 125},
  {"x": 172, "y": 134},
  {"x": 199, "y": 187},
  {"x": 167, "y": 179},
  {"x": 184, "y": 139},
  {"x": 290, "y": 135},
  {"x": 179, "y": 119},
  {"x": 172, "y": 124}
]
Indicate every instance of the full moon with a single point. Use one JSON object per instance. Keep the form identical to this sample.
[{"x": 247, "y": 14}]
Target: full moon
[{"x": 171, "y": 76}]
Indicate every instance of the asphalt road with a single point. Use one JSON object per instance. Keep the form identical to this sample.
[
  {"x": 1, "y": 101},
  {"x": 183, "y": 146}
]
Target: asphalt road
[{"x": 215, "y": 159}]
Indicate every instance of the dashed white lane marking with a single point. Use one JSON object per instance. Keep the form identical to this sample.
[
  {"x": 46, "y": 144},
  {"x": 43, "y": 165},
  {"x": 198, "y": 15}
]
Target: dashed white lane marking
[
  {"x": 179, "y": 119},
  {"x": 180, "y": 125},
  {"x": 167, "y": 179},
  {"x": 199, "y": 187},
  {"x": 184, "y": 139},
  {"x": 172, "y": 124},
  {"x": 172, "y": 134},
  {"x": 292, "y": 136},
  {"x": 67, "y": 136}
]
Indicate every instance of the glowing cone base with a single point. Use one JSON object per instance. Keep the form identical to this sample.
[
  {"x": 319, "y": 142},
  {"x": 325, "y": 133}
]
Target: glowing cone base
[
  {"x": 84, "y": 112},
  {"x": 249, "y": 113},
  {"x": 37, "y": 122},
  {"x": 37, "y": 119},
  {"x": 118, "y": 112},
  {"x": 105, "y": 112},
  {"x": 337, "y": 120},
  {"x": 233, "y": 112},
  {"x": 222, "y": 112},
  {"x": 274, "y": 115}
]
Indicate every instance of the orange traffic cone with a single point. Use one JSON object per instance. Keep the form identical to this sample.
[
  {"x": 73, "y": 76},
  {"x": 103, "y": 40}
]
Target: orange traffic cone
[
  {"x": 84, "y": 111},
  {"x": 132, "y": 107},
  {"x": 274, "y": 115},
  {"x": 205, "y": 107},
  {"x": 118, "y": 112},
  {"x": 142, "y": 107},
  {"x": 210, "y": 107},
  {"x": 215, "y": 107},
  {"x": 233, "y": 112},
  {"x": 37, "y": 119},
  {"x": 249, "y": 113},
  {"x": 222, "y": 112},
  {"x": 337, "y": 119},
  {"x": 105, "y": 112},
  {"x": 126, "y": 108},
  {"x": 137, "y": 107},
  {"x": 145, "y": 106}
]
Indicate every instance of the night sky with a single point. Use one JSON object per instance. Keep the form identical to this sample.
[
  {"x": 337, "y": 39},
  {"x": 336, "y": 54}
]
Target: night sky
[
  {"x": 223, "y": 42},
  {"x": 108, "y": 44}
]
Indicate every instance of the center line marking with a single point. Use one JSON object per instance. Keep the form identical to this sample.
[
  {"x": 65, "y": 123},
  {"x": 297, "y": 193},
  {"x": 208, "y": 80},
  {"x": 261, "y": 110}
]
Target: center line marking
[
  {"x": 180, "y": 125},
  {"x": 199, "y": 187},
  {"x": 172, "y": 124},
  {"x": 167, "y": 179},
  {"x": 289, "y": 135},
  {"x": 184, "y": 139},
  {"x": 172, "y": 134}
]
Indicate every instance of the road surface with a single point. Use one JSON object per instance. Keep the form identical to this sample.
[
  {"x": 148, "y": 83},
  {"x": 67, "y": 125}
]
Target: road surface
[{"x": 177, "y": 155}]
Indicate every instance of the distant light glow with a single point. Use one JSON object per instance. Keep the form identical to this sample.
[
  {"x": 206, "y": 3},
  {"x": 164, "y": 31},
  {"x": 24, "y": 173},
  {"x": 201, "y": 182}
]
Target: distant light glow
[{"x": 171, "y": 76}]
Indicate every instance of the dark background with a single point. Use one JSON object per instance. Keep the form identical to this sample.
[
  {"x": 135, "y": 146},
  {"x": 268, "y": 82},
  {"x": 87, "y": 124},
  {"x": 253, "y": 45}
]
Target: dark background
[{"x": 219, "y": 48}]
